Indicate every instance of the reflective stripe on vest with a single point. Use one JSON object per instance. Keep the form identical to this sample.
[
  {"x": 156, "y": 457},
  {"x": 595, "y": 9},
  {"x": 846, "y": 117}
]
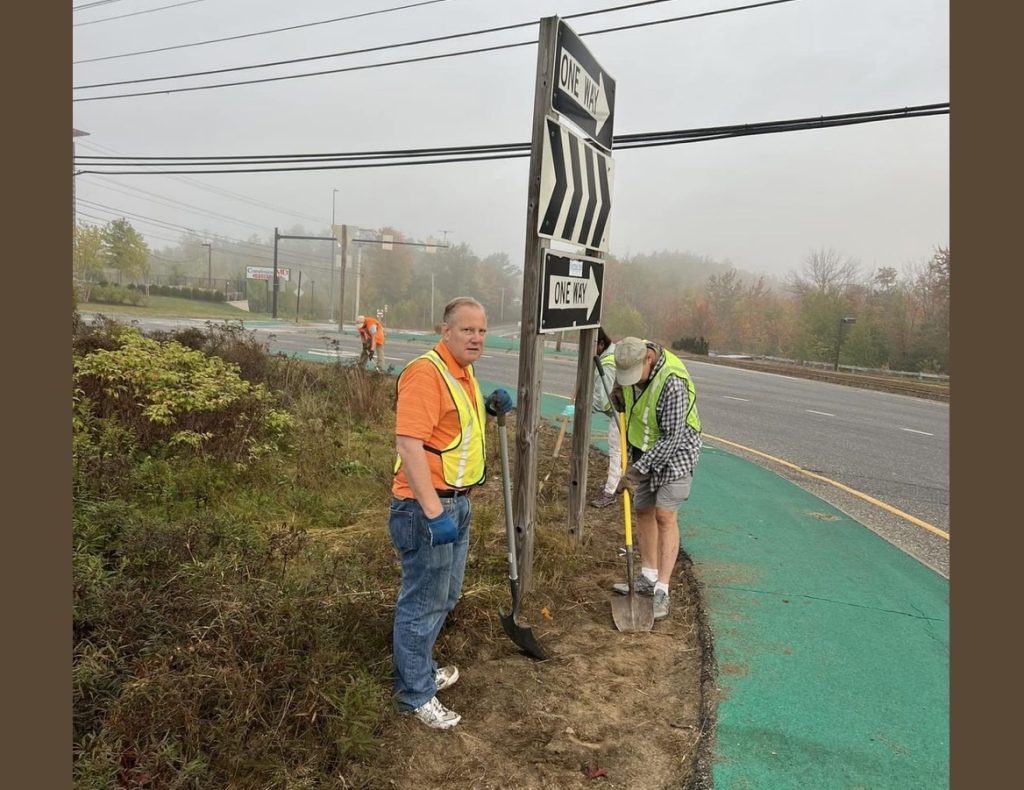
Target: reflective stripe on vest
[
  {"x": 642, "y": 430},
  {"x": 462, "y": 461}
]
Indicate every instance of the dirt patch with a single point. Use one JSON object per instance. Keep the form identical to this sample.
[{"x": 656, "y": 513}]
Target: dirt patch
[{"x": 609, "y": 709}]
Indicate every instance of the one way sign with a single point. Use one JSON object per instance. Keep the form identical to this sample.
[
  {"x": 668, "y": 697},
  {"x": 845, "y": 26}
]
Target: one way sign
[
  {"x": 571, "y": 292},
  {"x": 583, "y": 91}
]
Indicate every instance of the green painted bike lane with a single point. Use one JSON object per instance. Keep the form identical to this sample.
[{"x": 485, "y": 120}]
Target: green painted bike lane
[{"x": 831, "y": 645}]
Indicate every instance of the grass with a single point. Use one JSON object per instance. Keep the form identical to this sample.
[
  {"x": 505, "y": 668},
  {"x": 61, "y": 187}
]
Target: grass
[
  {"x": 227, "y": 609},
  {"x": 171, "y": 306}
]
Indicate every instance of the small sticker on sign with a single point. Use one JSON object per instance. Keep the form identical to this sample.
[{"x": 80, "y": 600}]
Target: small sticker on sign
[{"x": 575, "y": 268}]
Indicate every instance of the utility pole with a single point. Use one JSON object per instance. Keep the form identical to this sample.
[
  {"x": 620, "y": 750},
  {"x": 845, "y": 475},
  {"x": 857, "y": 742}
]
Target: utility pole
[
  {"x": 209, "y": 264},
  {"x": 446, "y": 232},
  {"x": 341, "y": 280},
  {"x": 330, "y": 293},
  {"x": 846, "y": 319},
  {"x": 273, "y": 312},
  {"x": 74, "y": 175}
]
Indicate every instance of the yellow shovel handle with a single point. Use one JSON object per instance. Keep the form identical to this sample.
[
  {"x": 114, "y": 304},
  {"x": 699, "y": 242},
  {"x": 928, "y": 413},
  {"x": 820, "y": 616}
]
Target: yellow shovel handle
[{"x": 626, "y": 502}]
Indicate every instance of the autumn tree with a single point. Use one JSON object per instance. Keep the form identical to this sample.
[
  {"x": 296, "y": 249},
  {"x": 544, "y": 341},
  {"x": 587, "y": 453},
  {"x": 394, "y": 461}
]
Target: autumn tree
[
  {"x": 124, "y": 249},
  {"x": 87, "y": 257}
]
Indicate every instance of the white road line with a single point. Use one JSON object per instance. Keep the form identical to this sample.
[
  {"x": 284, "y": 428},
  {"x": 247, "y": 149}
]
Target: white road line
[
  {"x": 822, "y": 413},
  {"x": 911, "y": 430},
  {"x": 730, "y": 397}
]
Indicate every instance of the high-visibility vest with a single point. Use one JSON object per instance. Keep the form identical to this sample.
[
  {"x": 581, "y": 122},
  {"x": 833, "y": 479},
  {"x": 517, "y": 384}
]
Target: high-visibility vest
[
  {"x": 462, "y": 461},
  {"x": 641, "y": 417},
  {"x": 601, "y": 401}
]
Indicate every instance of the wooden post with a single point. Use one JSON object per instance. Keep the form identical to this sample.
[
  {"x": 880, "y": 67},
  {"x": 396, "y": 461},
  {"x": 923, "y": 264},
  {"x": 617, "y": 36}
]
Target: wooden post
[
  {"x": 531, "y": 345},
  {"x": 580, "y": 457}
]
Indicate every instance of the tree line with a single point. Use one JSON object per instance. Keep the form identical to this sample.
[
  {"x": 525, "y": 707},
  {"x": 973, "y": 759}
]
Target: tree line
[{"x": 827, "y": 309}]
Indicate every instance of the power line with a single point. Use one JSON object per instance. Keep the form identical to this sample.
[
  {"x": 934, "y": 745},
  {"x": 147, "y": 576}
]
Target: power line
[
  {"x": 516, "y": 150},
  {"x": 133, "y": 13},
  {"x": 213, "y": 189},
  {"x": 421, "y": 59},
  {"x": 91, "y": 5},
  {"x": 259, "y": 32},
  {"x": 118, "y": 212},
  {"x": 365, "y": 50}
]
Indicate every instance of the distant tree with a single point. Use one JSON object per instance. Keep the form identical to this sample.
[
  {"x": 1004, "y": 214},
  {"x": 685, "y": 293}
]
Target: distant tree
[
  {"x": 124, "y": 248},
  {"x": 824, "y": 271},
  {"x": 621, "y": 321},
  {"x": 723, "y": 295},
  {"x": 87, "y": 258},
  {"x": 931, "y": 291}
]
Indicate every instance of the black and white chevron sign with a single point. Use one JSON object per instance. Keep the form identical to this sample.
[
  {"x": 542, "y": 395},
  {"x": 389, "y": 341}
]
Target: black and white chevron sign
[{"x": 575, "y": 189}]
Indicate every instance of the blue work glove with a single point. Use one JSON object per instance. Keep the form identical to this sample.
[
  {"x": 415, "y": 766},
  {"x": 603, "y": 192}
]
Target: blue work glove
[
  {"x": 442, "y": 529},
  {"x": 499, "y": 402}
]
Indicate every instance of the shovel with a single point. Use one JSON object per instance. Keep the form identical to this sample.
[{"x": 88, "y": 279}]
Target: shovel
[
  {"x": 631, "y": 613},
  {"x": 520, "y": 634}
]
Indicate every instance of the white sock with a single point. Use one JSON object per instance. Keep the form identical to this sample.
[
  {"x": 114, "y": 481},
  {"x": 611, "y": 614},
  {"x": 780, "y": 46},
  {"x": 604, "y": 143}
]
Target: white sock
[
  {"x": 661, "y": 587},
  {"x": 651, "y": 574}
]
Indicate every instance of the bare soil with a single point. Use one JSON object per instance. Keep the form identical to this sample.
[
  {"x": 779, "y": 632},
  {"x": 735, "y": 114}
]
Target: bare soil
[{"x": 608, "y": 709}]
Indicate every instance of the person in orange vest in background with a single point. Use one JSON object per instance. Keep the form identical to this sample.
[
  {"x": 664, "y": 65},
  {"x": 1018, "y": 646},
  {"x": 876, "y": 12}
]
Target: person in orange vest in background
[{"x": 371, "y": 332}]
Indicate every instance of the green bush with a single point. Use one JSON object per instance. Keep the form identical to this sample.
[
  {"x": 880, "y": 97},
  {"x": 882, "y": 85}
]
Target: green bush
[
  {"x": 116, "y": 294},
  {"x": 169, "y": 397},
  {"x": 695, "y": 345}
]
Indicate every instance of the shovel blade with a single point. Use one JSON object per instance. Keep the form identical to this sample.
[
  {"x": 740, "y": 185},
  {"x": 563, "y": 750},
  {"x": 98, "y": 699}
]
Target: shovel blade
[
  {"x": 522, "y": 636},
  {"x": 633, "y": 613}
]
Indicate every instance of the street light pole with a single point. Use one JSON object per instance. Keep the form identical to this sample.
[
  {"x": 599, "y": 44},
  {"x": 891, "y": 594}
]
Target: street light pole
[
  {"x": 209, "y": 264},
  {"x": 846, "y": 319}
]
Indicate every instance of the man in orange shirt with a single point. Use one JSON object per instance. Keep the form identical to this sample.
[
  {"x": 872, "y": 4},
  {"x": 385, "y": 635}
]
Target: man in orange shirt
[
  {"x": 371, "y": 333},
  {"x": 440, "y": 439}
]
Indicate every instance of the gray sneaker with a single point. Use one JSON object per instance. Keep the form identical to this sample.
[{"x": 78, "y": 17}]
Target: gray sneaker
[
  {"x": 603, "y": 500},
  {"x": 642, "y": 585},
  {"x": 660, "y": 605},
  {"x": 436, "y": 715},
  {"x": 445, "y": 677}
]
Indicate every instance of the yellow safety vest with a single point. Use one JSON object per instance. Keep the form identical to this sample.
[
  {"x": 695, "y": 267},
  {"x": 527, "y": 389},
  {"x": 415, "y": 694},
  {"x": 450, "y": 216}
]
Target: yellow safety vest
[
  {"x": 642, "y": 424},
  {"x": 463, "y": 460}
]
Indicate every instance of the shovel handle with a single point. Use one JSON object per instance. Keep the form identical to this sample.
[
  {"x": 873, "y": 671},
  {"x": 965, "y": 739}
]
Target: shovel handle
[
  {"x": 506, "y": 486},
  {"x": 626, "y": 497}
]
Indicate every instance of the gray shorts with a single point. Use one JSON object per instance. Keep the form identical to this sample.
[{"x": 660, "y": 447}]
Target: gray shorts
[{"x": 667, "y": 496}]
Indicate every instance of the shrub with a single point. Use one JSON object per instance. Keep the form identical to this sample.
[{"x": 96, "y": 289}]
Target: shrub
[
  {"x": 169, "y": 396},
  {"x": 695, "y": 345}
]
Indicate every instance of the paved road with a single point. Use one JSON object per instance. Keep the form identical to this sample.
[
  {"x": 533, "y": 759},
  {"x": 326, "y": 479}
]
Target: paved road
[{"x": 891, "y": 448}]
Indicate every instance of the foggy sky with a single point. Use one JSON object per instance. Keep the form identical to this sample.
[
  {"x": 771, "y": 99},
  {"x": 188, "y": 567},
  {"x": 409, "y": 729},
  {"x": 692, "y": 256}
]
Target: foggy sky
[{"x": 875, "y": 192}]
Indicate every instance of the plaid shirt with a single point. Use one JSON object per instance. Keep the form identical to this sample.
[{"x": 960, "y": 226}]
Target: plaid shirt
[{"x": 677, "y": 449}]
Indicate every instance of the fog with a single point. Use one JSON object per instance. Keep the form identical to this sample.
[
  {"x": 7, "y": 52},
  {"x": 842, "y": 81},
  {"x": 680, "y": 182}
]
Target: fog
[{"x": 877, "y": 193}]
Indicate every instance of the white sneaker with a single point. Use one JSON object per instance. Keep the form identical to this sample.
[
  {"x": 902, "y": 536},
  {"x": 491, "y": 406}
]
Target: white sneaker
[
  {"x": 436, "y": 715},
  {"x": 445, "y": 677}
]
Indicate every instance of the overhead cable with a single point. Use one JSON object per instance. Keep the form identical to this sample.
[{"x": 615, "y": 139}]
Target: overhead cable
[
  {"x": 259, "y": 32},
  {"x": 517, "y": 150},
  {"x": 363, "y": 67},
  {"x": 134, "y": 13}
]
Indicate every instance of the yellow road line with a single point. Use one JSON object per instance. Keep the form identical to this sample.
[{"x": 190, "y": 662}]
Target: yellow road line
[{"x": 895, "y": 511}]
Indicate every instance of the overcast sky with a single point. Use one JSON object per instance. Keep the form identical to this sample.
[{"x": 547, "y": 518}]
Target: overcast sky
[{"x": 875, "y": 192}]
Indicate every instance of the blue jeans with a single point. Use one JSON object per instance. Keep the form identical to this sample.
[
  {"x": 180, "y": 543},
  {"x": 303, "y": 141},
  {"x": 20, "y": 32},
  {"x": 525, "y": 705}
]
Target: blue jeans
[{"x": 431, "y": 585}]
